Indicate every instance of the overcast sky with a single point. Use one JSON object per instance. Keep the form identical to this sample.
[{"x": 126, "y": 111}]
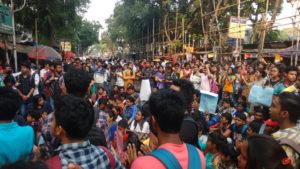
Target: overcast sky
[{"x": 100, "y": 10}]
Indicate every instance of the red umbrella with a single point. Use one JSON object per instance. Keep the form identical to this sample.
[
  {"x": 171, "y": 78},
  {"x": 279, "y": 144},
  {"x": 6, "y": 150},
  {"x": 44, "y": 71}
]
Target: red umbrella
[{"x": 44, "y": 53}]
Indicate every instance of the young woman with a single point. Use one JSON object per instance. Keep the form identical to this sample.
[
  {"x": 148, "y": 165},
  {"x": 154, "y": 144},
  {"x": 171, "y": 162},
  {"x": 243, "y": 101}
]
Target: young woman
[
  {"x": 229, "y": 84},
  {"x": 214, "y": 145},
  {"x": 262, "y": 152},
  {"x": 160, "y": 78},
  {"x": 119, "y": 77},
  {"x": 140, "y": 126}
]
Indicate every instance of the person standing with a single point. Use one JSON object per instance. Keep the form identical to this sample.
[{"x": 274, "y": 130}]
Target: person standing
[
  {"x": 25, "y": 87},
  {"x": 129, "y": 76}
]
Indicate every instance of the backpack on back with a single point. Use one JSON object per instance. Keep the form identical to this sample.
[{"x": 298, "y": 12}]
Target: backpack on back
[{"x": 170, "y": 161}]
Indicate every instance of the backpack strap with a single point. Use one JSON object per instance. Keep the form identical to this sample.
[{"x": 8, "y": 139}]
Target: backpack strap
[
  {"x": 54, "y": 163},
  {"x": 167, "y": 158},
  {"x": 289, "y": 143},
  {"x": 194, "y": 159},
  {"x": 111, "y": 158}
]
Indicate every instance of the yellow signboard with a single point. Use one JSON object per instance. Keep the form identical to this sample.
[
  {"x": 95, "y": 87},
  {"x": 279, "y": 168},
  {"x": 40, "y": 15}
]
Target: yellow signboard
[
  {"x": 237, "y": 28},
  {"x": 66, "y": 46}
]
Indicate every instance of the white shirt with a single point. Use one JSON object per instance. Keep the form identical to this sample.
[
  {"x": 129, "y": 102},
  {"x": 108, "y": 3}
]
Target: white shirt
[
  {"x": 204, "y": 82},
  {"x": 120, "y": 80},
  {"x": 145, "y": 129},
  {"x": 196, "y": 80}
]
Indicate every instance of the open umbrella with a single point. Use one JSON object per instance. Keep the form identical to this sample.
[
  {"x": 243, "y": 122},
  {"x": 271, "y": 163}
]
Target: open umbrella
[{"x": 44, "y": 53}]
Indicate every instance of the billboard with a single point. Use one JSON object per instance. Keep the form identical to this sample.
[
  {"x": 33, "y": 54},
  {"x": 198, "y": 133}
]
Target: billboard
[
  {"x": 66, "y": 46},
  {"x": 237, "y": 28},
  {"x": 5, "y": 20}
]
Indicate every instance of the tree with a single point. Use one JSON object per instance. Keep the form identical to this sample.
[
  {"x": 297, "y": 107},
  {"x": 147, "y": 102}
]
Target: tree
[
  {"x": 57, "y": 20},
  {"x": 88, "y": 34}
]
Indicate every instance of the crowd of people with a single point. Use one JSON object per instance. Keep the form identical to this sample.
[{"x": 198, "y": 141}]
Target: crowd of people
[{"x": 140, "y": 114}]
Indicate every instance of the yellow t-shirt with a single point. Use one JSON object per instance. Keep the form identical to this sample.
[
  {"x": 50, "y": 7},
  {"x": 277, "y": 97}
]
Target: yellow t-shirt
[{"x": 228, "y": 87}]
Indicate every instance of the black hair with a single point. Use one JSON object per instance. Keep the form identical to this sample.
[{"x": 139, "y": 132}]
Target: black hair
[
  {"x": 291, "y": 103},
  {"x": 123, "y": 123},
  {"x": 291, "y": 68},
  {"x": 218, "y": 139},
  {"x": 36, "y": 99},
  {"x": 187, "y": 89},
  {"x": 262, "y": 109},
  {"x": 77, "y": 82},
  {"x": 112, "y": 115},
  {"x": 34, "y": 114},
  {"x": 145, "y": 109},
  {"x": 255, "y": 126},
  {"x": 228, "y": 117},
  {"x": 229, "y": 150},
  {"x": 241, "y": 116},
  {"x": 133, "y": 139},
  {"x": 227, "y": 100},
  {"x": 9, "y": 79},
  {"x": 131, "y": 99},
  {"x": 189, "y": 132},
  {"x": 26, "y": 64},
  {"x": 56, "y": 64},
  {"x": 22, "y": 164},
  {"x": 9, "y": 103},
  {"x": 167, "y": 107},
  {"x": 265, "y": 152},
  {"x": 75, "y": 115},
  {"x": 102, "y": 101}
]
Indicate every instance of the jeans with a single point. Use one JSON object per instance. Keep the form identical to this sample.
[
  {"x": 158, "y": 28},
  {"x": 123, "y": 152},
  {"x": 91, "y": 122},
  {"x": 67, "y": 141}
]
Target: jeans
[{"x": 24, "y": 108}]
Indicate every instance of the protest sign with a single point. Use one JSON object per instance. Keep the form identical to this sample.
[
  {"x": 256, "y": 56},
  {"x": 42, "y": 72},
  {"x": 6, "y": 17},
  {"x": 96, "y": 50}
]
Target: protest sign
[
  {"x": 262, "y": 95},
  {"x": 208, "y": 102}
]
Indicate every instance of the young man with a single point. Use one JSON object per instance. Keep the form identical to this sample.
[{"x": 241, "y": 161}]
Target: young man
[
  {"x": 25, "y": 87},
  {"x": 285, "y": 111},
  {"x": 289, "y": 80},
  {"x": 167, "y": 109},
  {"x": 73, "y": 119},
  {"x": 16, "y": 141},
  {"x": 130, "y": 110}
]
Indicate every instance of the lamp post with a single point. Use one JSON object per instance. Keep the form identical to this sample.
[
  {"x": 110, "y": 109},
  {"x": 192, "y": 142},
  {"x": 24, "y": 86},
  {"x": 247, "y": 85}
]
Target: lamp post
[{"x": 14, "y": 30}]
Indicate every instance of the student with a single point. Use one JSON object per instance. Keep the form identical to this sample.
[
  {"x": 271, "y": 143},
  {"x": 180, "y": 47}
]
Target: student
[
  {"x": 167, "y": 111},
  {"x": 240, "y": 127},
  {"x": 285, "y": 111},
  {"x": 254, "y": 127},
  {"x": 112, "y": 125},
  {"x": 228, "y": 158},
  {"x": 130, "y": 110},
  {"x": 41, "y": 106},
  {"x": 16, "y": 141},
  {"x": 227, "y": 107},
  {"x": 140, "y": 125},
  {"x": 215, "y": 143},
  {"x": 289, "y": 80},
  {"x": 226, "y": 119},
  {"x": 25, "y": 87},
  {"x": 262, "y": 152},
  {"x": 73, "y": 119}
]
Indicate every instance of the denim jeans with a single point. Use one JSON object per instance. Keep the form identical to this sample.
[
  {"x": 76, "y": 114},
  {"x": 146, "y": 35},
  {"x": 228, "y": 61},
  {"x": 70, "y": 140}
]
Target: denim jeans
[{"x": 24, "y": 108}]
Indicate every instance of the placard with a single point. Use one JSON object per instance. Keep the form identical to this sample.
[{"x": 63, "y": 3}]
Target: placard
[
  {"x": 262, "y": 95},
  {"x": 208, "y": 102}
]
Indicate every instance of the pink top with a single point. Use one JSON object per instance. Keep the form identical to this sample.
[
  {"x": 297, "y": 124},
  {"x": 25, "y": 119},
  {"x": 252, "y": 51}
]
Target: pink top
[{"x": 179, "y": 151}]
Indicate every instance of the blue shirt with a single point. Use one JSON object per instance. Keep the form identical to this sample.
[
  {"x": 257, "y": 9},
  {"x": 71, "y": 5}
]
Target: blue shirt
[
  {"x": 16, "y": 142},
  {"x": 130, "y": 112},
  {"x": 279, "y": 88}
]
